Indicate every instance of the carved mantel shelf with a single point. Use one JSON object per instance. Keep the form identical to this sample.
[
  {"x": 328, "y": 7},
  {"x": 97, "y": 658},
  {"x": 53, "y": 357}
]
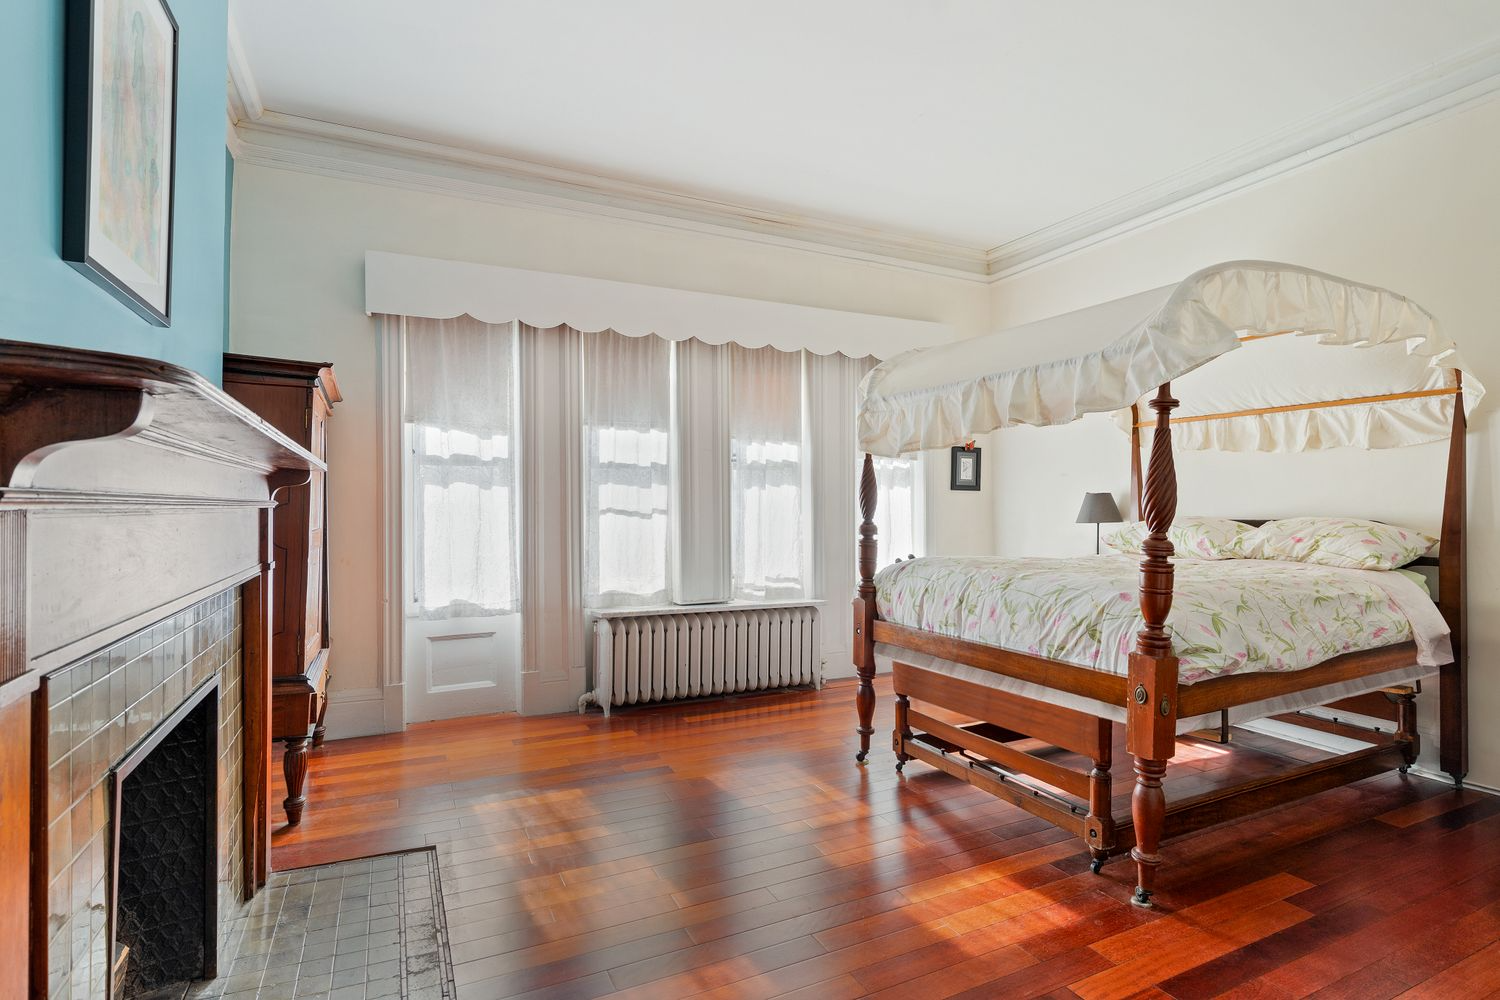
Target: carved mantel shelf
[
  {"x": 128, "y": 487},
  {"x": 52, "y": 398}
]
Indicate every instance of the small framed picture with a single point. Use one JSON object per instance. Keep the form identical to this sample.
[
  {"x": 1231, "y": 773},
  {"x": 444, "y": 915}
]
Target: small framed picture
[
  {"x": 965, "y": 475},
  {"x": 119, "y": 158}
]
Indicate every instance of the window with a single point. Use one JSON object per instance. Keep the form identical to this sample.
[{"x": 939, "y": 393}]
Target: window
[
  {"x": 459, "y": 392},
  {"x": 898, "y": 510},
  {"x": 626, "y": 414},
  {"x": 743, "y": 458},
  {"x": 768, "y": 523}
]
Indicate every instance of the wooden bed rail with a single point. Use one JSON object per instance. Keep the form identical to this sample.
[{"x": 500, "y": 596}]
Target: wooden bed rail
[
  {"x": 1151, "y": 705},
  {"x": 864, "y": 610}
]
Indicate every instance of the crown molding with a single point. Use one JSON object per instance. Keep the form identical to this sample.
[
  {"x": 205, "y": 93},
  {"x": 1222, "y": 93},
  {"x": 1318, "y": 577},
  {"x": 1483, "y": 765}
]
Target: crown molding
[
  {"x": 1443, "y": 88},
  {"x": 292, "y": 142},
  {"x": 261, "y": 136},
  {"x": 244, "y": 96}
]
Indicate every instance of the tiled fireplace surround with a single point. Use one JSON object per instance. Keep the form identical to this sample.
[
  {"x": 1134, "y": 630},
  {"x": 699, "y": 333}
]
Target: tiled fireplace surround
[{"x": 98, "y": 708}]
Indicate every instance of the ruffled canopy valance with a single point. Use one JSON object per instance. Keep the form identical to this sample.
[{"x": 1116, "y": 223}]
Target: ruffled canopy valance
[{"x": 1265, "y": 327}]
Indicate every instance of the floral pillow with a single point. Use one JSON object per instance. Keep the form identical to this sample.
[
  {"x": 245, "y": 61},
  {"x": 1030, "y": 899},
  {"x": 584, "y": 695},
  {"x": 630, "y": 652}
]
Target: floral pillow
[
  {"x": 1348, "y": 542},
  {"x": 1192, "y": 537}
]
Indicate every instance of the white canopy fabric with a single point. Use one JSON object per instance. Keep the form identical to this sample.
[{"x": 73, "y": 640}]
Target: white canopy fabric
[
  {"x": 1107, "y": 357},
  {"x": 1292, "y": 370}
]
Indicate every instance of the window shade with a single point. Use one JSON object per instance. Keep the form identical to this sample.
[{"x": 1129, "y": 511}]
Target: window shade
[
  {"x": 769, "y": 518},
  {"x": 459, "y": 388},
  {"x": 626, "y": 413}
]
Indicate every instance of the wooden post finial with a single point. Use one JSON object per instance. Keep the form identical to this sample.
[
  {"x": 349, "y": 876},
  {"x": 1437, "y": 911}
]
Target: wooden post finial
[{"x": 1135, "y": 459}]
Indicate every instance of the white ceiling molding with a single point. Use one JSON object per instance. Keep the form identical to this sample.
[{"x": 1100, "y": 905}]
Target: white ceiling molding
[
  {"x": 292, "y": 142},
  {"x": 244, "y": 96},
  {"x": 269, "y": 138},
  {"x": 1443, "y": 88},
  {"x": 405, "y": 285}
]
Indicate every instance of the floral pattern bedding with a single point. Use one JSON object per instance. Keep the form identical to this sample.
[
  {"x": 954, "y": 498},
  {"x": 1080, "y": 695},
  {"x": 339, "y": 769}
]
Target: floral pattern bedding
[
  {"x": 1227, "y": 616},
  {"x": 1334, "y": 541}
]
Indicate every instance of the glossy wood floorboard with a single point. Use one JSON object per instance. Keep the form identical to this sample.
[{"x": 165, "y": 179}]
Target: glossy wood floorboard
[{"x": 733, "y": 849}]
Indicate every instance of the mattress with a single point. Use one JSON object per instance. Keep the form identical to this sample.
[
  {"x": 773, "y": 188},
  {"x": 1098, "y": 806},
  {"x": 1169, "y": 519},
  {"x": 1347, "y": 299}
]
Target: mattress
[{"x": 1228, "y": 616}]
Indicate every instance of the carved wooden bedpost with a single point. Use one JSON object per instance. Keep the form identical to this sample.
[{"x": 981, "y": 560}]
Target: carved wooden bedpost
[
  {"x": 1151, "y": 706},
  {"x": 864, "y": 610},
  {"x": 1453, "y": 695}
]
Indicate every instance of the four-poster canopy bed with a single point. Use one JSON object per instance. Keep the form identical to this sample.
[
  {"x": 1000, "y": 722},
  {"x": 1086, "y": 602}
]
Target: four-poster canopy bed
[{"x": 1250, "y": 346}]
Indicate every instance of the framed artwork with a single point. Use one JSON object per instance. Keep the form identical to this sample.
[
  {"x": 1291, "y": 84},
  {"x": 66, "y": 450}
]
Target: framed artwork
[
  {"x": 120, "y": 149},
  {"x": 965, "y": 472}
]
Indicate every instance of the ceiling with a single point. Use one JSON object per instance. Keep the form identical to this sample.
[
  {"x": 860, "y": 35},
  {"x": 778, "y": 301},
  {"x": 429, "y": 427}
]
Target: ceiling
[{"x": 978, "y": 124}]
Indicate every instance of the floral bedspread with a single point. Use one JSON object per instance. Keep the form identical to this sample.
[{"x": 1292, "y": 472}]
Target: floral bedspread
[{"x": 1227, "y": 616}]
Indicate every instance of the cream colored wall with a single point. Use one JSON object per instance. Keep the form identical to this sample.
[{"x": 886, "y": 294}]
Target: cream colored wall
[
  {"x": 297, "y": 291},
  {"x": 1418, "y": 211}
]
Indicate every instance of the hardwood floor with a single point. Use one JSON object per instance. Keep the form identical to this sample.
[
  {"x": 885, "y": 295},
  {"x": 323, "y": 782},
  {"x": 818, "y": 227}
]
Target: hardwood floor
[{"x": 734, "y": 849}]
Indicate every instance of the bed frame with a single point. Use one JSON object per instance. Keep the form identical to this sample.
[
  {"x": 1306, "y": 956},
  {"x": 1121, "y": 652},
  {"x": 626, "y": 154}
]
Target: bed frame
[{"x": 989, "y": 753}]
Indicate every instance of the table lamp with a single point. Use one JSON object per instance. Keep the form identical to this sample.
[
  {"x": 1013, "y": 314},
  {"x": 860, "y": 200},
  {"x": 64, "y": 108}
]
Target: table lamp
[{"x": 1097, "y": 509}]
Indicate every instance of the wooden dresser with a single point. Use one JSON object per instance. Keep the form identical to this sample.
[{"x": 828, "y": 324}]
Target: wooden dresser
[{"x": 295, "y": 397}]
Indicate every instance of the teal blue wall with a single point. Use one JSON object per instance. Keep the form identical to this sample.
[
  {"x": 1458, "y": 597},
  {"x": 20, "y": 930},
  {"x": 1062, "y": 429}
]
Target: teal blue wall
[
  {"x": 228, "y": 235},
  {"x": 42, "y": 298}
]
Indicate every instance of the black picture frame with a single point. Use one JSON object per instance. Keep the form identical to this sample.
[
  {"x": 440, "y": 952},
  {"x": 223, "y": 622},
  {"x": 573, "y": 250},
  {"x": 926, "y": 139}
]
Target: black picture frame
[
  {"x": 81, "y": 246},
  {"x": 957, "y": 479}
]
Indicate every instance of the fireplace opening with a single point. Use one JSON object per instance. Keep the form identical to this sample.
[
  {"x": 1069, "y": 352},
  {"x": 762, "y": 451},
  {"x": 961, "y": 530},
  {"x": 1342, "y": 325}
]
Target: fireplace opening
[{"x": 164, "y": 893}]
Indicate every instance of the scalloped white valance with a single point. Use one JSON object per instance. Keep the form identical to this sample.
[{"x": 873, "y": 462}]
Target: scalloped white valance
[{"x": 403, "y": 285}]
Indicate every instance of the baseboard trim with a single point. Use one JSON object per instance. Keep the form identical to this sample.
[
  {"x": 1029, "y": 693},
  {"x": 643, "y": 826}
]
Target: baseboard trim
[
  {"x": 360, "y": 712},
  {"x": 1427, "y": 772}
]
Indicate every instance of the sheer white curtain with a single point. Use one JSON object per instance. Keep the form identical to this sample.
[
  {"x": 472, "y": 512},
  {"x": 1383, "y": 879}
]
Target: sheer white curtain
[
  {"x": 898, "y": 513},
  {"x": 458, "y": 411},
  {"x": 768, "y": 510},
  {"x": 626, "y": 417}
]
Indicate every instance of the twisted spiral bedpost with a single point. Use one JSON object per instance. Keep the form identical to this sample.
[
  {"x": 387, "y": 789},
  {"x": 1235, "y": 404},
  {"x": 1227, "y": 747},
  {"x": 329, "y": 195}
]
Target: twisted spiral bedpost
[
  {"x": 864, "y": 610},
  {"x": 1151, "y": 709},
  {"x": 1159, "y": 505}
]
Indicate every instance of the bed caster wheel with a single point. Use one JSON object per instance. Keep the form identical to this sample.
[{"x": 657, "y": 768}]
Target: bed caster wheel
[
  {"x": 1404, "y": 768},
  {"x": 1142, "y": 898},
  {"x": 900, "y": 766},
  {"x": 1095, "y": 865},
  {"x": 859, "y": 758}
]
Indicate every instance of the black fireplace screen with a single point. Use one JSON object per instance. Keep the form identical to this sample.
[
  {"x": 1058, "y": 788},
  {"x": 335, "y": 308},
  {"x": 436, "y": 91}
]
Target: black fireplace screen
[{"x": 165, "y": 926}]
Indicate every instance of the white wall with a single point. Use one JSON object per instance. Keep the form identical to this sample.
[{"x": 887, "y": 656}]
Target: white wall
[
  {"x": 1418, "y": 211},
  {"x": 297, "y": 291}
]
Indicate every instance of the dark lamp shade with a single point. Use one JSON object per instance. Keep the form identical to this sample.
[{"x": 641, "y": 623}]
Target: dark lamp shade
[{"x": 1098, "y": 508}]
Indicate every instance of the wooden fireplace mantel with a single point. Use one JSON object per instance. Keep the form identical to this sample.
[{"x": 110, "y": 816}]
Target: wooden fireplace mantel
[
  {"x": 130, "y": 489},
  {"x": 85, "y": 435},
  {"x": 52, "y": 398}
]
